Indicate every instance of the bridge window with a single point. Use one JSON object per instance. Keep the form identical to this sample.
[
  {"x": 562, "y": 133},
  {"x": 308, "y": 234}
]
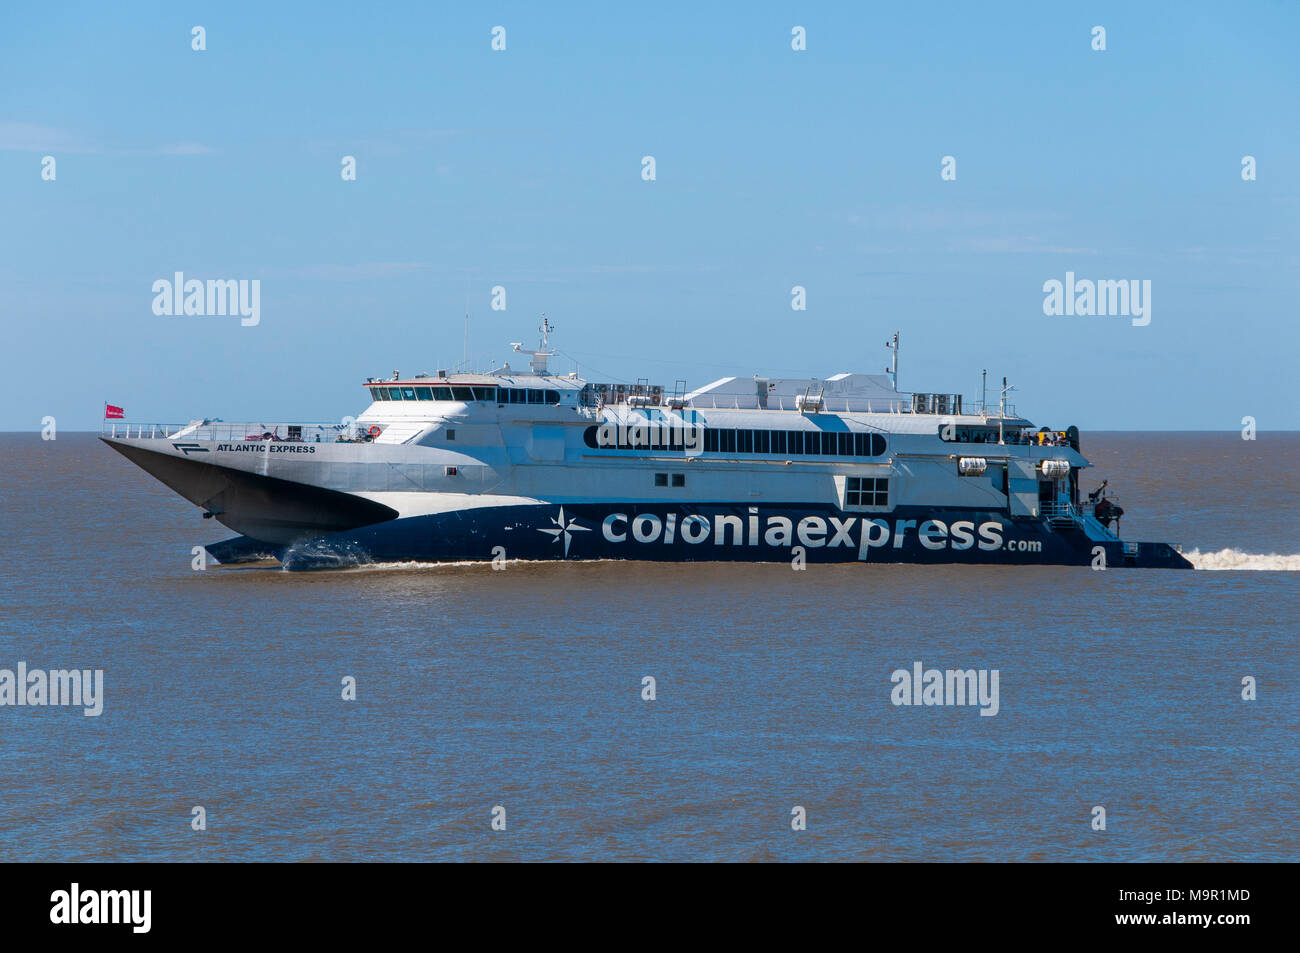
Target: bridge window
[
  {"x": 408, "y": 393},
  {"x": 394, "y": 393},
  {"x": 442, "y": 393},
  {"x": 424, "y": 393},
  {"x": 485, "y": 393}
]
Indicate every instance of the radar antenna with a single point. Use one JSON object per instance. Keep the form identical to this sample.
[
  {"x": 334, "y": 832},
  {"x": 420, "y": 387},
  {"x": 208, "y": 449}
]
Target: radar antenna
[{"x": 537, "y": 358}]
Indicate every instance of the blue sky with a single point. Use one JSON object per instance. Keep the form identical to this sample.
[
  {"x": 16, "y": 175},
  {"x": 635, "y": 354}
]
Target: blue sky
[{"x": 774, "y": 168}]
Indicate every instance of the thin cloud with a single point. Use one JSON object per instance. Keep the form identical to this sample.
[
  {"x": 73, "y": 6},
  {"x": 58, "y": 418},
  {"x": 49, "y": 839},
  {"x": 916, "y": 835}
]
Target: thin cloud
[
  {"x": 31, "y": 137},
  {"x": 1026, "y": 245},
  {"x": 364, "y": 271}
]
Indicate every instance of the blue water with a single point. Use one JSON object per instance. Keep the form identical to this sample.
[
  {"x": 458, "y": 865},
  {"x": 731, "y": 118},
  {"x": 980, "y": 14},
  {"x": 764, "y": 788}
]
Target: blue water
[{"x": 522, "y": 688}]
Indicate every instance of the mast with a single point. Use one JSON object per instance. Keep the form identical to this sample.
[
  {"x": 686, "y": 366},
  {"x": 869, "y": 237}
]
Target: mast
[
  {"x": 1002, "y": 408},
  {"x": 537, "y": 358},
  {"x": 893, "y": 361}
]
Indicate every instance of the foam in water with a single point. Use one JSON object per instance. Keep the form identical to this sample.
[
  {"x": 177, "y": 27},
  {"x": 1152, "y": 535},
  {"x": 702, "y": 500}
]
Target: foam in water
[{"x": 1236, "y": 559}]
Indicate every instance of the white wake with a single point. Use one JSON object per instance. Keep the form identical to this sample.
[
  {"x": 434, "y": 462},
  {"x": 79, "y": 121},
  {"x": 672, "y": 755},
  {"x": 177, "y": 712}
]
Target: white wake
[{"x": 1236, "y": 559}]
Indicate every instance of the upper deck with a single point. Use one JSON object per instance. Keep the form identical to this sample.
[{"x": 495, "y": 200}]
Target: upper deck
[{"x": 404, "y": 407}]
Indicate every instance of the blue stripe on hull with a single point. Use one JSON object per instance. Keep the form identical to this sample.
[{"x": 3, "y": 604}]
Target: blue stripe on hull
[{"x": 719, "y": 532}]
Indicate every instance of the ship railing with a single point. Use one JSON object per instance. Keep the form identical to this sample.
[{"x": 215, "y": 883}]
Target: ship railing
[
  {"x": 1066, "y": 508},
  {"x": 1080, "y": 513},
  {"x": 594, "y": 397},
  {"x": 830, "y": 405},
  {"x": 1060, "y": 508},
  {"x": 235, "y": 432}
]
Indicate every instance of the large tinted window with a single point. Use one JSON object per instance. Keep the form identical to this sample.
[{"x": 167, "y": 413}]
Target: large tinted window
[
  {"x": 744, "y": 441},
  {"x": 394, "y": 393},
  {"x": 552, "y": 396}
]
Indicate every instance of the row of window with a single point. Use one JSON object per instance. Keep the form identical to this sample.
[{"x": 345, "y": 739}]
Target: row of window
[
  {"x": 464, "y": 394},
  {"x": 867, "y": 491},
  {"x": 783, "y": 442},
  {"x": 678, "y": 479}
]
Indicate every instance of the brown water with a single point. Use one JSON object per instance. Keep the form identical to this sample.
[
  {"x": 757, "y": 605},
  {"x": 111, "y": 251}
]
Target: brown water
[{"x": 522, "y": 688}]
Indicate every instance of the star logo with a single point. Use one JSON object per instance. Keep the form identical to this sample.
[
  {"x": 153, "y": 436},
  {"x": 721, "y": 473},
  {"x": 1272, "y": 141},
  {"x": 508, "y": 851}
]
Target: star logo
[{"x": 563, "y": 528}]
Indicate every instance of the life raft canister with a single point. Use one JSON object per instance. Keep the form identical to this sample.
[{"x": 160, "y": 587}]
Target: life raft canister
[{"x": 374, "y": 431}]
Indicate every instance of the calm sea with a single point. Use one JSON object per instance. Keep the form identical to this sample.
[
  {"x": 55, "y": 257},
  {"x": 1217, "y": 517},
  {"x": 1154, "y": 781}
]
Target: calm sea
[{"x": 522, "y": 688}]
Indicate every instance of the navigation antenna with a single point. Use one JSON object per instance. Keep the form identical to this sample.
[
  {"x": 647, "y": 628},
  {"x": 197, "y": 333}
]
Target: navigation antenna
[
  {"x": 465, "y": 357},
  {"x": 892, "y": 370},
  {"x": 1002, "y": 408},
  {"x": 537, "y": 358}
]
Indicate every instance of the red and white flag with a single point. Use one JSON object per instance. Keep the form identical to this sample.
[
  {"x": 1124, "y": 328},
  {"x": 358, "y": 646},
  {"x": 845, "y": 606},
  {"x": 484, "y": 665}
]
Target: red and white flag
[{"x": 113, "y": 413}]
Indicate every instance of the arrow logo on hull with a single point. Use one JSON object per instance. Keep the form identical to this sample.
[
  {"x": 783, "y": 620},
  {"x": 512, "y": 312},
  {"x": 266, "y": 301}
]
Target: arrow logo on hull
[{"x": 188, "y": 448}]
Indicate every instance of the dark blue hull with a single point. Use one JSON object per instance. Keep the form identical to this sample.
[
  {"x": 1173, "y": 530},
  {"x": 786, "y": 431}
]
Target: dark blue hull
[{"x": 720, "y": 532}]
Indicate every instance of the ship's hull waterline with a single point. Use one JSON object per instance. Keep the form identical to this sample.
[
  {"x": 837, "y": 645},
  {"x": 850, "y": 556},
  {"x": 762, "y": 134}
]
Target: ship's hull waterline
[{"x": 721, "y": 532}]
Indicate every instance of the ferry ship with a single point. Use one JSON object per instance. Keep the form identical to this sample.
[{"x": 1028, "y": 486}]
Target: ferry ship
[{"x": 530, "y": 464}]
